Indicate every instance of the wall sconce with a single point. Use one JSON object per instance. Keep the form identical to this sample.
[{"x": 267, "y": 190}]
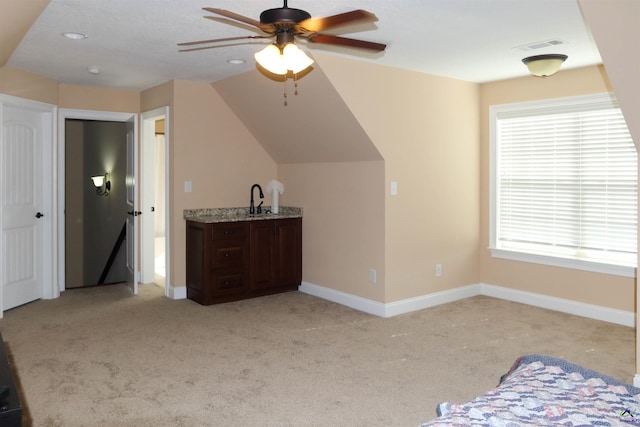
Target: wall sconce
[
  {"x": 100, "y": 181},
  {"x": 544, "y": 65}
]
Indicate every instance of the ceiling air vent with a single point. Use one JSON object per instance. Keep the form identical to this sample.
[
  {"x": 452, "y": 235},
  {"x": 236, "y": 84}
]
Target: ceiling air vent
[{"x": 539, "y": 45}]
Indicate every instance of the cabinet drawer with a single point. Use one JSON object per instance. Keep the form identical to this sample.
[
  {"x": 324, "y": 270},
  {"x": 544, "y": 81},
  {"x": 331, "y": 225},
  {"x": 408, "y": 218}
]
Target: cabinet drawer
[
  {"x": 229, "y": 254},
  {"x": 229, "y": 281},
  {"x": 231, "y": 230}
]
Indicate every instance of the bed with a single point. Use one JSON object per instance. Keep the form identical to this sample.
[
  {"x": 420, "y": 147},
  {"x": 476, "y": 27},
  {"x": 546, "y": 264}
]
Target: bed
[{"x": 545, "y": 391}]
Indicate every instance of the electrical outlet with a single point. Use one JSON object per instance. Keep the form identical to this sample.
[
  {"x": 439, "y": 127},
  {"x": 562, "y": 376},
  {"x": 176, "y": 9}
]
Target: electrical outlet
[
  {"x": 438, "y": 270},
  {"x": 372, "y": 275}
]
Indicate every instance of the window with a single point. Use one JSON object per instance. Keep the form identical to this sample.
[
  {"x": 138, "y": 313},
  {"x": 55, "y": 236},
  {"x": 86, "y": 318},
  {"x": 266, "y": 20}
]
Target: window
[{"x": 564, "y": 184}]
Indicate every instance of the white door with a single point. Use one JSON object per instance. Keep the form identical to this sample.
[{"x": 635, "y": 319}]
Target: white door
[
  {"x": 23, "y": 213},
  {"x": 132, "y": 208}
]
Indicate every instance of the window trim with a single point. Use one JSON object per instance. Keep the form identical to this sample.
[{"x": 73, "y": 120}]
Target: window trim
[{"x": 607, "y": 100}]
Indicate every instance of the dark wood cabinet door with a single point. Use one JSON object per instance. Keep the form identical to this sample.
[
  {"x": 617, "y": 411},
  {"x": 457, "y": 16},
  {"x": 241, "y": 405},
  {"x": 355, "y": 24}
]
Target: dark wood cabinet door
[
  {"x": 198, "y": 271},
  {"x": 263, "y": 252},
  {"x": 288, "y": 256},
  {"x": 276, "y": 254}
]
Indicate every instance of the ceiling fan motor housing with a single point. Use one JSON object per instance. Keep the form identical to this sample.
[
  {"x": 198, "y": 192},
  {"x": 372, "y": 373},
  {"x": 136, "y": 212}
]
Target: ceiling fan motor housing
[{"x": 283, "y": 15}]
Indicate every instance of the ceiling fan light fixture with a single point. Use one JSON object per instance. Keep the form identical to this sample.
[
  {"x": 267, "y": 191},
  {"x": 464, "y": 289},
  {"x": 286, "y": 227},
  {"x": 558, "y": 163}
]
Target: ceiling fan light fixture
[
  {"x": 544, "y": 65},
  {"x": 292, "y": 58},
  {"x": 270, "y": 59},
  {"x": 295, "y": 59}
]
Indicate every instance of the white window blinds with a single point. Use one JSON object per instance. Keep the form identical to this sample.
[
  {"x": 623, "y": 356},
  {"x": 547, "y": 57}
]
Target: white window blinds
[{"x": 566, "y": 181}]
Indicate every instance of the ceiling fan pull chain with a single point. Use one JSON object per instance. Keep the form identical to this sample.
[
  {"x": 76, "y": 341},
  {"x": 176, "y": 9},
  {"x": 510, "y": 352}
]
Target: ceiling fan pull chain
[
  {"x": 295, "y": 83},
  {"x": 285, "y": 90}
]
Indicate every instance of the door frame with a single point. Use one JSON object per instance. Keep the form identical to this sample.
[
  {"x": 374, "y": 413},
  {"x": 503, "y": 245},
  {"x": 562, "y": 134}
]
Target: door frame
[
  {"x": 147, "y": 137},
  {"x": 49, "y": 176},
  {"x": 63, "y": 115}
]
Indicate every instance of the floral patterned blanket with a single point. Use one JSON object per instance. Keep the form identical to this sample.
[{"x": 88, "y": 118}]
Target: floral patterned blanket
[{"x": 545, "y": 391}]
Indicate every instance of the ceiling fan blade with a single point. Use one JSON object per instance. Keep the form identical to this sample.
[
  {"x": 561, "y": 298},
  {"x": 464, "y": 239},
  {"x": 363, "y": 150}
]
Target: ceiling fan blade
[
  {"x": 225, "y": 39},
  {"x": 239, "y": 24},
  {"x": 215, "y": 46},
  {"x": 345, "y": 41},
  {"x": 237, "y": 17},
  {"x": 315, "y": 25}
]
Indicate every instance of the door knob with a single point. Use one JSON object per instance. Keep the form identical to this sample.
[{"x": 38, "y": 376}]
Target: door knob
[{"x": 39, "y": 215}]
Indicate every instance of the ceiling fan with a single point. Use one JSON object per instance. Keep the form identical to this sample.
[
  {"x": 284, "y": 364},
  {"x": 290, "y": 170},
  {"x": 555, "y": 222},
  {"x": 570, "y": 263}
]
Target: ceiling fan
[{"x": 284, "y": 24}]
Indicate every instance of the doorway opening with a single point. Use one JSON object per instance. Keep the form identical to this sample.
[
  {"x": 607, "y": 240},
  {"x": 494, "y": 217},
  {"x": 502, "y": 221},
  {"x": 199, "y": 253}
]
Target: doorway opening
[
  {"x": 95, "y": 216},
  {"x": 154, "y": 155},
  {"x": 130, "y": 120}
]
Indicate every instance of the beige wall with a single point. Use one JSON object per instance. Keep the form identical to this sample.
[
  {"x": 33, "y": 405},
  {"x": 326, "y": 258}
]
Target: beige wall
[
  {"x": 592, "y": 288},
  {"x": 342, "y": 225},
  {"x": 157, "y": 97},
  {"x": 210, "y": 147},
  {"x": 426, "y": 129},
  {"x": 23, "y": 84},
  {"x": 98, "y": 98}
]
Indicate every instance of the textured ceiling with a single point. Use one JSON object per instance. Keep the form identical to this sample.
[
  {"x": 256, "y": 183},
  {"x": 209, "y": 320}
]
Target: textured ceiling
[{"x": 133, "y": 43}]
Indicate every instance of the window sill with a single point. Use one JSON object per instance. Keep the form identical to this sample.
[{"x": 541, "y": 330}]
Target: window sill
[{"x": 594, "y": 267}]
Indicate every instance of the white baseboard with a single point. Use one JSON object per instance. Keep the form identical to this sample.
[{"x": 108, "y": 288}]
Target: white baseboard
[
  {"x": 343, "y": 298},
  {"x": 178, "y": 292},
  {"x": 425, "y": 301},
  {"x": 430, "y": 300},
  {"x": 591, "y": 311}
]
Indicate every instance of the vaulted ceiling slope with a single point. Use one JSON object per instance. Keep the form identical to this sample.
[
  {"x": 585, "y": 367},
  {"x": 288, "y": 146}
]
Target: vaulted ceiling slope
[
  {"x": 314, "y": 126},
  {"x": 15, "y": 21}
]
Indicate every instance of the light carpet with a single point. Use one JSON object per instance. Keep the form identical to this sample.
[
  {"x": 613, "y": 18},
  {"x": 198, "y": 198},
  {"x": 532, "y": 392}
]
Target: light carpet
[{"x": 101, "y": 357}]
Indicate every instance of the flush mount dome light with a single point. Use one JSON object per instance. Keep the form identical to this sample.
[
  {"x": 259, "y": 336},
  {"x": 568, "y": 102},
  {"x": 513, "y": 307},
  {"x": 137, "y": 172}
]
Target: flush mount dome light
[{"x": 544, "y": 65}]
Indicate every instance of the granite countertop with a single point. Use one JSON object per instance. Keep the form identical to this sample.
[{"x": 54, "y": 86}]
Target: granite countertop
[{"x": 212, "y": 215}]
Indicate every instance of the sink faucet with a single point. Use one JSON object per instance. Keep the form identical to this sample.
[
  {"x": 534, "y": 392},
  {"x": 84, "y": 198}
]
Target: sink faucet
[{"x": 252, "y": 208}]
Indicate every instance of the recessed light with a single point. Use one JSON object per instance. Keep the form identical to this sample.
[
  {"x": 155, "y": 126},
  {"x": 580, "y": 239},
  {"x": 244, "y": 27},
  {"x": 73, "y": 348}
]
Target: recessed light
[
  {"x": 236, "y": 61},
  {"x": 92, "y": 69},
  {"x": 74, "y": 36}
]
